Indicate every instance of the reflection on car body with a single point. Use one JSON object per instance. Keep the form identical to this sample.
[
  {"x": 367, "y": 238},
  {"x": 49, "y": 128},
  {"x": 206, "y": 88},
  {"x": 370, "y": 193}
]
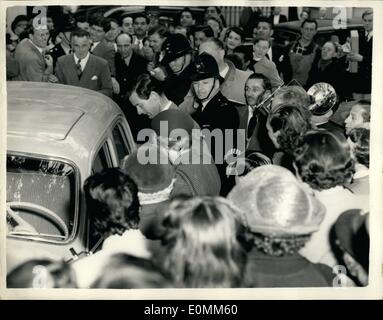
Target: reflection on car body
[{"x": 57, "y": 136}]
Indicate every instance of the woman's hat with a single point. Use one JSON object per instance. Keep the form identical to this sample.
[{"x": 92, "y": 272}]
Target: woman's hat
[
  {"x": 151, "y": 170},
  {"x": 276, "y": 203}
]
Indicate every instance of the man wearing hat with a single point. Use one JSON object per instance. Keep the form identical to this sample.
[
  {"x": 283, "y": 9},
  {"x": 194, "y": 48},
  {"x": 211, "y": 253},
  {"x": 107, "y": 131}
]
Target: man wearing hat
[
  {"x": 214, "y": 111},
  {"x": 196, "y": 173},
  {"x": 177, "y": 61}
]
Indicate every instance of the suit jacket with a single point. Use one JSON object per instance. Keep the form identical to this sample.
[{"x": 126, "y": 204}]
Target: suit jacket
[
  {"x": 12, "y": 66},
  {"x": 259, "y": 140},
  {"x": 31, "y": 62},
  {"x": 127, "y": 75},
  {"x": 269, "y": 70},
  {"x": 363, "y": 78},
  {"x": 95, "y": 76},
  {"x": 233, "y": 87},
  {"x": 282, "y": 18},
  {"x": 106, "y": 51}
]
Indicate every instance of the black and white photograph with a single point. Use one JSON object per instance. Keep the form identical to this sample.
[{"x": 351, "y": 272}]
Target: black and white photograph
[{"x": 176, "y": 145}]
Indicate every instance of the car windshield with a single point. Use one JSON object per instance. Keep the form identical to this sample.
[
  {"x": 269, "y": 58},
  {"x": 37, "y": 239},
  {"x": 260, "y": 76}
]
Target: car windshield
[{"x": 41, "y": 198}]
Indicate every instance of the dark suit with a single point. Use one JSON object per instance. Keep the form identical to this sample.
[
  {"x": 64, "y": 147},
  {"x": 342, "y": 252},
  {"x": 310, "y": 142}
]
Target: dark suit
[
  {"x": 282, "y": 18},
  {"x": 106, "y": 51},
  {"x": 259, "y": 140},
  {"x": 363, "y": 77},
  {"x": 219, "y": 113},
  {"x": 56, "y": 52},
  {"x": 127, "y": 75},
  {"x": 95, "y": 76}
]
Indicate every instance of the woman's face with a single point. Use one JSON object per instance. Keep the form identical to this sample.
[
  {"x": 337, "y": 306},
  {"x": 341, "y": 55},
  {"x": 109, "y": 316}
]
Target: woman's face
[
  {"x": 233, "y": 40},
  {"x": 354, "y": 119}
]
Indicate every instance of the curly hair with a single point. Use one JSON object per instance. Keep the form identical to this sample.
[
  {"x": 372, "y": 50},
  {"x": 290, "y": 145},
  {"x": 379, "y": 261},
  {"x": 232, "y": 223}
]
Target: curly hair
[
  {"x": 112, "y": 199},
  {"x": 292, "y": 122},
  {"x": 278, "y": 246},
  {"x": 323, "y": 160},
  {"x": 202, "y": 245},
  {"x": 361, "y": 149}
]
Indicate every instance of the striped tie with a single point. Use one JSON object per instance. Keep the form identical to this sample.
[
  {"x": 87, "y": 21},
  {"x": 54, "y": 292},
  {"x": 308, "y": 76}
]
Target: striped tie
[{"x": 79, "y": 70}]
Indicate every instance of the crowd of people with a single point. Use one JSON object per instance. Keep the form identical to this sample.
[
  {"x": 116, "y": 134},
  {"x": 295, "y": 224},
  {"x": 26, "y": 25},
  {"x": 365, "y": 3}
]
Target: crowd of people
[{"x": 277, "y": 197}]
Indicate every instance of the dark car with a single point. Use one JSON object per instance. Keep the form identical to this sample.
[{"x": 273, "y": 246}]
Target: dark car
[{"x": 287, "y": 32}]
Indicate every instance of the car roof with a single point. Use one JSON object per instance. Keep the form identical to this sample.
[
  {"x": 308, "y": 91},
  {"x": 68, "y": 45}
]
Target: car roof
[
  {"x": 323, "y": 25},
  {"x": 56, "y": 120}
]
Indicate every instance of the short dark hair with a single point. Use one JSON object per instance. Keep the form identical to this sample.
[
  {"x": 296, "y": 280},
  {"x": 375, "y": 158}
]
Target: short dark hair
[
  {"x": 145, "y": 85},
  {"x": 81, "y": 19},
  {"x": 125, "y": 15},
  {"x": 187, "y": 9},
  {"x": 18, "y": 19},
  {"x": 100, "y": 21},
  {"x": 323, "y": 160},
  {"x": 113, "y": 205},
  {"x": 361, "y": 138},
  {"x": 246, "y": 50},
  {"x": 267, "y": 20},
  {"x": 236, "y": 30},
  {"x": 113, "y": 20},
  {"x": 206, "y": 29},
  {"x": 257, "y": 39},
  {"x": 310, "y": 21},
  {"x": 266, "y": 80},
  {"x": 140, "y": 15},
  {"x": 161, "y": 30},
  {"x": 80, "y": 33}
]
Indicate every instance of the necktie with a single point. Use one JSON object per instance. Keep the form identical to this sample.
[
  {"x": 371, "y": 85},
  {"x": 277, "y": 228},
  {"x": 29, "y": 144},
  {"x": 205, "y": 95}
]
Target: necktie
[
  {"x": 91, "y": 47},
  {"x": 251, "y": 126},
  {"x": 78, "y": 67}
]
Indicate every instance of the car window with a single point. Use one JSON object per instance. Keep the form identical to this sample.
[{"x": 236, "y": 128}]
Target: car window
[
  {"x": 284, "y": 37},
  {"x": 41, "y": 198},
  {"x": 120, "y": 141},
  {"x": 102, "y": 160}
]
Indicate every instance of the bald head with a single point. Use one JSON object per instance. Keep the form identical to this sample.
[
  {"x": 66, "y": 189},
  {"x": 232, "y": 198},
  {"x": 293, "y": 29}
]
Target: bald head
[{"x": 124, "y": 45}]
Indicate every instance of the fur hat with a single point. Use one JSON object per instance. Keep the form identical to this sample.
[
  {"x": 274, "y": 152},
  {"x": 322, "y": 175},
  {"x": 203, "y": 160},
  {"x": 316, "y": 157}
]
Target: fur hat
[{"x": 276, "y": 203}]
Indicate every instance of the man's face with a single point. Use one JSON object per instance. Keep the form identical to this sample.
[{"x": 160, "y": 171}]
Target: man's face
[
  {"x": 211, "y": 48},
  {"x": 355, "y": 118},
  {"x": 83, "y": 25},
  {"x": 179, "y": 64},
  {"x": 215, "y": 26},
  {"x": 202, "y": 88},
  {"x": 124, "y": 45},
  {"x": 186, "y": 19},
  {"x": 40, "y": 37},
  {"x": 113, "y": 32},
  {"x": 264, "y": 30},
  {"x": 50, "y": 24},
  {"x": 199, "y": 37},
  {"x": 149, "y": 107},
  {"x": 277, "y": 10},
  {"x": 308, "y": 31},
  {"x": 127, "y": 25},
  {"x": 261, "y": 48},
  {"x": 80, "y": 46},
  {"x": 140, "y": 27},
  {"x": 97, "y": 33},
  {"x": 368, "y": 22},
  {"x": 254, "y": 91},
  {"x": 156, "y": 42},
  {"x": 328, "y": 51}
]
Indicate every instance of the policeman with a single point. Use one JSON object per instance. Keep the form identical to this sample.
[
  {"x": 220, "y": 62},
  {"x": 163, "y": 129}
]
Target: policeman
[
  {"x": 177, "y": 61},
  {"x": 215, "y": 112}
]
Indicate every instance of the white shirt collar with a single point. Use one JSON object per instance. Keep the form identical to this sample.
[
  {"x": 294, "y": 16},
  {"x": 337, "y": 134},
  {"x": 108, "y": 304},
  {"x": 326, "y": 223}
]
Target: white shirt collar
[
  {"x": 83, "y": 61},
  {"x": 94, "y": 45},
  {"x": 224, "y": 72},
  {"x": 167, "y": 106}
]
